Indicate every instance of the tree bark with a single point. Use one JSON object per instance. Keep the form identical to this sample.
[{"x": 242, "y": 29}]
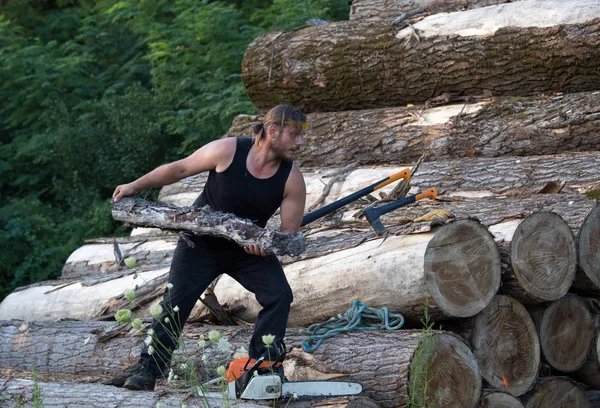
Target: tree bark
[
  {"x": 524, "y": 48},
  {"x": 556, "y": 392},
  {"x": 566, "y": 333},
  {"x": 492, "y": 398},
  {"x": 75, "y": 348},
  {"x": 373, "y": 10},
  {"x": 205, "y": 221},
  {"x": 506, "y": 126},
  {"x": 506, "y": 345},
  {"x": 543, "y": 259}
]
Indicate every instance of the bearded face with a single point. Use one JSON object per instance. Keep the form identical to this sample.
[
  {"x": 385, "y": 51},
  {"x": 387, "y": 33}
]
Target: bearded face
[{"x": 287, "y": 141}]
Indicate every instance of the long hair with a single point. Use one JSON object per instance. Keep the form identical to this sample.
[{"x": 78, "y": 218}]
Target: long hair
[{"x": 280, "y": 115}]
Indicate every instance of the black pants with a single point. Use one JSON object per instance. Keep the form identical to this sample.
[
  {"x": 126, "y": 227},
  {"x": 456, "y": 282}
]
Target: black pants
[{"x": 193, "y": 270}]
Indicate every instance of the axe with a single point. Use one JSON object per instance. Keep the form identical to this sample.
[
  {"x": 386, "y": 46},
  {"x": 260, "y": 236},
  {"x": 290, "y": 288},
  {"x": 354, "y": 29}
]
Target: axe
[
  {"x": 374, "y": 213},
  {"x": 329, "y": 208}
]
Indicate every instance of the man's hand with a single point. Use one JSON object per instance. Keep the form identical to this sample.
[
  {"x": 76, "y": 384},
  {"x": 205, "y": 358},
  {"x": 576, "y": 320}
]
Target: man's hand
[
  {"x": 254, "y": 249},
  {"x": 124, "y": 190}
]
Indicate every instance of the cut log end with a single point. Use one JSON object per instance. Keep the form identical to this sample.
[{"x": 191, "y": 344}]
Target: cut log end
[
  {"x": 543, "y": 255},
  {"x": 506, "y": 344},
  {"x": 497, "y": 399},
  {"x": 462, "y": 268},
  {"x": 558, "y": 392},
  {"x": 444, "y": 373},
  {"x": 589, "y": 246},
  {"x": 567, "y": 333}
]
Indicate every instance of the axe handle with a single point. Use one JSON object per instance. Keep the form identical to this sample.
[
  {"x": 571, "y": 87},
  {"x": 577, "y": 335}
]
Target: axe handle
[
  {"x": 329, "y": 208},
  {"x": 429, "y": 193}
]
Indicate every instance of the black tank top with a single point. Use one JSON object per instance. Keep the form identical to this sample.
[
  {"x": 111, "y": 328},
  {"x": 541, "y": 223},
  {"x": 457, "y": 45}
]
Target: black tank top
[{"x": 236, "y": 191}]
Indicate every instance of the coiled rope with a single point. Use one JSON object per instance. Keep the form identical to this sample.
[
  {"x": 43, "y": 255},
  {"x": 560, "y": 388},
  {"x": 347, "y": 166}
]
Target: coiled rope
[{"x": 358, "y": 317}]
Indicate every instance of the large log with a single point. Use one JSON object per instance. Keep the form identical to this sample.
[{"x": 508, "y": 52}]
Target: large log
[
  {"x": 366, "y": 10},
  {"x": 556, "y": 392},
  {"x": 506, "y": 345},
  {"x": 566, "y": 333},
  {"x": 587, "y": 278},
  {"x": 205, "y": 221},
  {"x": 543, "y": 259},
  {"x": 504, "y": 126},
  {"x": 496, "y": 399},
  {"x": 520, "y": 49},
  {"x": 76, "y": 348},
  {"x": 589, "y": 373}
]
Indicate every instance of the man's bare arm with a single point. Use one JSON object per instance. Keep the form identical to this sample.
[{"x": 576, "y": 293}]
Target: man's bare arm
[
  {"x": 294, "y": 199},
  {"x": 213, "y": 155}
]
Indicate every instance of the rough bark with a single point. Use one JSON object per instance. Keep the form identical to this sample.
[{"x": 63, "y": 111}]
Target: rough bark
[
  {"x": 506, "y": 345},
  {"x": 75, "y": 348},
  {"x": 204, "y": 221},
  {"x": 462, "y": 268},
  {"x": 496, "y": 399},
  {"x": 504, "y": 126},
  {"x": 566, "y": 333},
  {"x": 556, "y": 392},
  {"x": 515, "y": 49},
  {"x": 369, "y": 10},
  {"x": 543, "y": 259}
]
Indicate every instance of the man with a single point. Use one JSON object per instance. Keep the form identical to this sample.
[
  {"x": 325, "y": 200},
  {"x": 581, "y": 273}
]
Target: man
[{"x": 251, "y": 178}]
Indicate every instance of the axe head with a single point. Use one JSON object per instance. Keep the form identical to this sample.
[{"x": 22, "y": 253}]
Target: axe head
[{"x": 373, "y": 215}]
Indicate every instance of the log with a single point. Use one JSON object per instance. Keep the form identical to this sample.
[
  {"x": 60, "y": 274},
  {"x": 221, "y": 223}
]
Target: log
[
  {"x": 205, "y": 221},
  {"x": 506, "y": 345},
  {"x": 75, "y": 348},
  {"x": 588, "y": 250},
  {"x": 543, "y": 259},
  {"x": 462, "y": 268},
  {"x": 589, "y": 373},
  {"x": 373, "y": 10},
  {"x": 502, "y": 126},
  {"x": 519, "y": 49},
  {"x": 150, "y": 253},
  {"x": 512, "y": 176},
  {"x": 556, "y": 392},
  {"x": 497, "y": 399},
  {"x": 566, "y": 333}
]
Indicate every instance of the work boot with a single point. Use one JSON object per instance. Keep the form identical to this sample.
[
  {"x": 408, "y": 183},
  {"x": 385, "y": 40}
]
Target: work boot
[{"x": 141, "y": 379}]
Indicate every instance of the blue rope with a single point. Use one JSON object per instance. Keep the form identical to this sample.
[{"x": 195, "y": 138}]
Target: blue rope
[{"x": 358, "y": 317}]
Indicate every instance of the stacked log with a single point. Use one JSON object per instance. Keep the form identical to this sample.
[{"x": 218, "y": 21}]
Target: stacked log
[{"x": 505, "y": 111}]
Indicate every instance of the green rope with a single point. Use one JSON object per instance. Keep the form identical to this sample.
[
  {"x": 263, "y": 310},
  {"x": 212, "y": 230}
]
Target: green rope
[{"x": 358, "y": 317}]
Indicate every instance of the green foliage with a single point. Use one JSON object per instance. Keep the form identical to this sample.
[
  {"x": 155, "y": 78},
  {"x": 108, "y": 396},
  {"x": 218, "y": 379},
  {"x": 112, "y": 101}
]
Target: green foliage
[{"x": 95, "y": 93}]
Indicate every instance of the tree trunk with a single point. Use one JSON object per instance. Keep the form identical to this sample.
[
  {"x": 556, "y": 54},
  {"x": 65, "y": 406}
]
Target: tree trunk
[
  {"x": 462, "y": 268},
  {"x": 373, "y": 10},
  {"x": 511, "y": 176},
  {"x": 492, "y": 398},
  {"x": 75, "y": 348},
  {"x": 18, "y": 392},
  {"x": 566, "y": 333},
  {"x": 519, "y": 49},
  {"x": 556, "y": 392},
  {"x": 205, "y": 221},
  {"x": 149, "y": 253},
  {"x": 506, "y": 345},
  {"x": 543, "y": 259},
  {"x": 506, "y": 126},
  {"x": 588, "y": 246}
]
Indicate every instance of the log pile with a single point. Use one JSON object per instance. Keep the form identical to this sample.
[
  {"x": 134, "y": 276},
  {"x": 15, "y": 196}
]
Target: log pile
[{"x": 493, "y": 103}]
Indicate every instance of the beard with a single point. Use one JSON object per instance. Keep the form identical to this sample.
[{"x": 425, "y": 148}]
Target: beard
[{"x": 284, "y": 154}]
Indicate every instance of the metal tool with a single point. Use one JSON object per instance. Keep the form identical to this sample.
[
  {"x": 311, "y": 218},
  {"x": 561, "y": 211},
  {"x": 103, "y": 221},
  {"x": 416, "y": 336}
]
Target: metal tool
[
  {"x": 374, "y": 213},
  {"x": 329, "y": 208},
  {"x": 269, "y": 387}
]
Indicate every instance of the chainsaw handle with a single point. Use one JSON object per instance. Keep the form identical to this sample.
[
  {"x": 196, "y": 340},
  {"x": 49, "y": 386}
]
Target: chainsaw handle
[{"x": 430, "y": 193}]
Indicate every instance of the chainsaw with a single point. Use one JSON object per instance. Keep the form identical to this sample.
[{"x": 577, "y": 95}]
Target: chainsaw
[{"x": 243, "y": 382}]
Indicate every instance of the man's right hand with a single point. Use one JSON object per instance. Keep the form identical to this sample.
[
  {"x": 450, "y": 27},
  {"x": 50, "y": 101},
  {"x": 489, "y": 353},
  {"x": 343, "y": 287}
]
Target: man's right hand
[{"x": 124, "y": 190}]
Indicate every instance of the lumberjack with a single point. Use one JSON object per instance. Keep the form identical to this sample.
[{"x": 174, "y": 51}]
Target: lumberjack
[{"x": 251, "y": 178}]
